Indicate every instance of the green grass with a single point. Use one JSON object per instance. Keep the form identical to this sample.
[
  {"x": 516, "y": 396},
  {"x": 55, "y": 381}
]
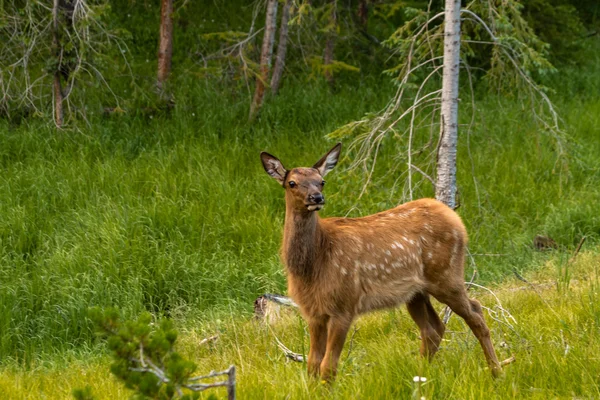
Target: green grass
[
  {"x": 555, "y": 338},
  {"x": 172, "y": 213}
]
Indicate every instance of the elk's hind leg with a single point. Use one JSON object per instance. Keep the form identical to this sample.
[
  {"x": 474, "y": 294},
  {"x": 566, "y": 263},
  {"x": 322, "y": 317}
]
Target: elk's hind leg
[
  {"x": 470, "y": 311},
  {"x": 431, "y": 327}
]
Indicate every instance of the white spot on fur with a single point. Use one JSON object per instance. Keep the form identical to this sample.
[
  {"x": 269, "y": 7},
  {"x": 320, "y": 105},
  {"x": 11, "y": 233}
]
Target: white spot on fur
[
  {"x": 389, "y": 253},
  {"x": 344, "y": 272}
]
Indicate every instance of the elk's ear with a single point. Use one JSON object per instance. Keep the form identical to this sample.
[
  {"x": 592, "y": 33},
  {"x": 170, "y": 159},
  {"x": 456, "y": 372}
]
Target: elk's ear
[
  {"x": 273, "y": 166},
  {"x": 329, "y": 160}
]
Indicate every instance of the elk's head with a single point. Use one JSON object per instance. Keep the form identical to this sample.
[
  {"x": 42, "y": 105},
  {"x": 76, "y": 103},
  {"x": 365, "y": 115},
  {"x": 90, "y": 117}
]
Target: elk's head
[{"x": 303, "y": 186}]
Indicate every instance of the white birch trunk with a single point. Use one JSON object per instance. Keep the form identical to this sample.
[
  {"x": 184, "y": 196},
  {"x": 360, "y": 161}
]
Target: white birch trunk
[{"x": 445, "y": 187}]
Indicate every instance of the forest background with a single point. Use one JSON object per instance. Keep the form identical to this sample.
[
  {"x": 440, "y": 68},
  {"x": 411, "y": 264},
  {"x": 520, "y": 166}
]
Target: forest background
[{"x": 146, "y": 193}]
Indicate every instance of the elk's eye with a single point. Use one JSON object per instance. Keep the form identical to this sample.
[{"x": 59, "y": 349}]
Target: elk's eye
[
  {"x": 322, "y": 183},
  {"x": 292, "y": 184}
]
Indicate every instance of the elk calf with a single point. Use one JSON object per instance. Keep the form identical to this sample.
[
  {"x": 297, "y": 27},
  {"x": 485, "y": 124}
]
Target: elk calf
[{"x": 338, "y": 268}]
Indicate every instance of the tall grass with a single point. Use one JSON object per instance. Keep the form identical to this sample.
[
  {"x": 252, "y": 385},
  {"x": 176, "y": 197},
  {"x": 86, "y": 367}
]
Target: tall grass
[
  {"x": 554, "y": 338},
  {"x": 172, "y": 213}
]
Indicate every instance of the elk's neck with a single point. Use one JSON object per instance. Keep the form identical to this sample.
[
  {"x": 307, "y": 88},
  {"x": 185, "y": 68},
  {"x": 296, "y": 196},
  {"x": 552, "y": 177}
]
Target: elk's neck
[{"x": 302, "y": 243}]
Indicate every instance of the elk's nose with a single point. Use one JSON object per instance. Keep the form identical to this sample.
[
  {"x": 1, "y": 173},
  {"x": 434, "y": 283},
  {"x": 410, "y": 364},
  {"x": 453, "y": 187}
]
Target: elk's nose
[{"x": 317, "y": 198}]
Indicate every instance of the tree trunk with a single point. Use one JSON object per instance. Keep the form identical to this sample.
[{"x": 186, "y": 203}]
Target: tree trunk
[
  {"x": 330, "y": 45},
  {"x": 59, "y": 113},
  {"x": 445, "y": 187},
  {"x": 363, "y": 14},
  {"x": 165, "y": 45},
  {"x": 265, "y": 57},
  {"x": 281, "y": 48},
  {"x": 56, "y": 84}
]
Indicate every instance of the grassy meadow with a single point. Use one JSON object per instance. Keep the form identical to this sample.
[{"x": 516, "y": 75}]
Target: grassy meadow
[
  {"x": 172, "y": 213},
  {"x": 554, "y": 337}
]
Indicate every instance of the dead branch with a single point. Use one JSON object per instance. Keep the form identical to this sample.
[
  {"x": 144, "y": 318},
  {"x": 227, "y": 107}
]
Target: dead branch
[
  {"x": 509, "y": 360},
  {"x": 577, "y": 249},
  {"x": 209, "y": 339}
]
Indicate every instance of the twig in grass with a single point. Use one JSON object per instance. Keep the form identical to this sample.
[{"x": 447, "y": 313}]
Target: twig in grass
[
  {"x": 288, "y": 353},
  {"x": 577, "y": 249},
  {"x": 208, "y": 339},
  {"x": 229, "y": 383},
  {"x": 261, "y": 311},
  {"x": 351, "y": 341},
  {"x": 509, "y": 360},
  {"x": 148, "y": 366},
  {"x": 506, "y": 315}
]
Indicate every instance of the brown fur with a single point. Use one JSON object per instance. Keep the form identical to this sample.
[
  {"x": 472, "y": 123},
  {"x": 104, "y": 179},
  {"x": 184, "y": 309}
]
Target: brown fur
[{"x": 339, "y": 268}]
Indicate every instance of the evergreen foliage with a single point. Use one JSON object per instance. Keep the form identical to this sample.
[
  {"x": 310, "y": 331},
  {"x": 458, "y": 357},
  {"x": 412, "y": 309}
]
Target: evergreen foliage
[{"x": 145, "y": 359}]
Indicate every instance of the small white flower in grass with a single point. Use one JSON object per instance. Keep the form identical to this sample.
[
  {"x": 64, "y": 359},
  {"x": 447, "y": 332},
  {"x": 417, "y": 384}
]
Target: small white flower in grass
[{"x": 419, "y": 379}]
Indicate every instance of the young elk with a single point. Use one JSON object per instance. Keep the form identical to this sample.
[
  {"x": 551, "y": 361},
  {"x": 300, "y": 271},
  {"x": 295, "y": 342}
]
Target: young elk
[{"x": 338, "y": 268}]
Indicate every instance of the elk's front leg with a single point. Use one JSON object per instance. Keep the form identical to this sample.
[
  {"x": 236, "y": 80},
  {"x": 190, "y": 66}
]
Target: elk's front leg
[
  {"x": 317, "y": 328},
  {"x": 336, "y": 336}
]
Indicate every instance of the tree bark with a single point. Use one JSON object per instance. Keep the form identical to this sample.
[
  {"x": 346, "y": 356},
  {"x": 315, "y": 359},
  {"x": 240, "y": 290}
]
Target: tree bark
[
  {"x": 445, "y": 187},
  {"x": 56, "y": 84},
  {"x": 363, "y": 14},
  {"x": 330, "y": 45},
  {"x": 265, "y": 57},
  {"x": 281, "y": 48},
  {"x": 59, "y": 113},
  {"x": 165, "y": 45}
]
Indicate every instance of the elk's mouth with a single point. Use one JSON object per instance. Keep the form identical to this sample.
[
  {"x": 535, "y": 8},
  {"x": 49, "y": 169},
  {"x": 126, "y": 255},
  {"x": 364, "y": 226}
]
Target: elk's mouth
[{"x": 314, "y": 207}]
